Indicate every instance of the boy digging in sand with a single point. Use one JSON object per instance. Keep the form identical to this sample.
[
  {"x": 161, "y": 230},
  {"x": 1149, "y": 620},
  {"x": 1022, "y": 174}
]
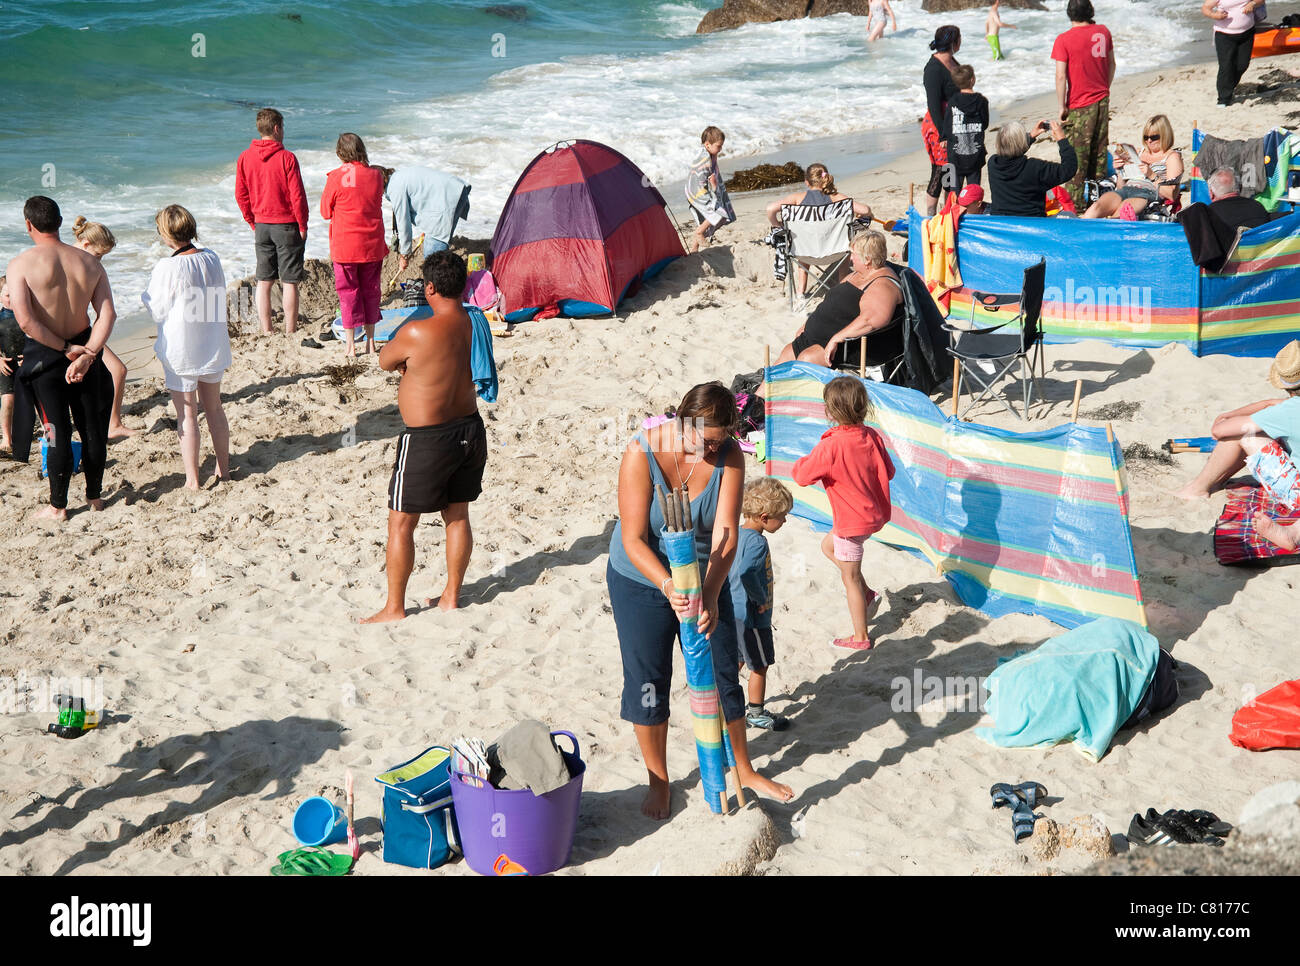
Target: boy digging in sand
[{"x": 441, "y": 454}]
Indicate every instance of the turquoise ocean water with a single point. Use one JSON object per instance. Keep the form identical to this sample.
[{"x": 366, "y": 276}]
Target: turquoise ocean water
[{"x": 118, "y": 107}]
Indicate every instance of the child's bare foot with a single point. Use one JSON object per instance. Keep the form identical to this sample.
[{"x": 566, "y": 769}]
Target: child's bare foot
[
  {"x": 96, "y": 504},
  {"x": 765, "y": 786},
  {"x": 1274, "y": 532},
  {"x": 384, "y": 616},
  {"x": 120, "y": 432},
  {"x": 192, "y": 485},
  {"x": 658, "y": 799},
  {"x": 51, "y": 513}
]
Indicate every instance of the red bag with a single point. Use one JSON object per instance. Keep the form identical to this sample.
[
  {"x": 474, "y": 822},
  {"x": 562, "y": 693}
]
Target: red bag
[
  {"x": 1236, "y": 540},
  {"x": 934, "y": 144},
  {"x": 1272, "y": 721}
]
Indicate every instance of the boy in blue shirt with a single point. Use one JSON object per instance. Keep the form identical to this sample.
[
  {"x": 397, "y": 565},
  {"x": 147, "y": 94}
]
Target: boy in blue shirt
[{"x": 766, "y": 503}]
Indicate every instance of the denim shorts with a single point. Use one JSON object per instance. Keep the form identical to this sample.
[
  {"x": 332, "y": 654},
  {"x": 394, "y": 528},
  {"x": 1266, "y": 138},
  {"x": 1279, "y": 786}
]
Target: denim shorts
[{"x": 647, "y": 634}]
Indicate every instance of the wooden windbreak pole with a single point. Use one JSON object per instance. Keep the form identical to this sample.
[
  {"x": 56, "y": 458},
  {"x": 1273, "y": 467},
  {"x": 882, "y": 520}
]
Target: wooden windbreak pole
[
  {"x": 1078, "y": 394},
  {"x": 956, "y": 383}
]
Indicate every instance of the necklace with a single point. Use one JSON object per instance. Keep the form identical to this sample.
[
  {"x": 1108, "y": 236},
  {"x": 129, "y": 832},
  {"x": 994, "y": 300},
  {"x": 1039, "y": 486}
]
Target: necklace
[{"x": 686, "y": 483}]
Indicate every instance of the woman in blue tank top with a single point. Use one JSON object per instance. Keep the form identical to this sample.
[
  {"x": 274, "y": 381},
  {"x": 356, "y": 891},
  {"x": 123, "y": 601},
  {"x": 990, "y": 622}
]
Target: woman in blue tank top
[{"x": 695, "y": 451}]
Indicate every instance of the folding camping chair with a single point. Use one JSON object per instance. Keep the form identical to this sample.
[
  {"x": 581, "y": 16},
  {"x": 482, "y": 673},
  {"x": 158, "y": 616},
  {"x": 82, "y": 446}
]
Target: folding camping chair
[
  {"x": 819, "y": 243},
  {"x": 977, "y": 347}
]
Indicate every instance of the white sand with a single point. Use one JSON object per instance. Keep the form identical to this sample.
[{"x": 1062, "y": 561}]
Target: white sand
[{"x": 222, "y": 623}]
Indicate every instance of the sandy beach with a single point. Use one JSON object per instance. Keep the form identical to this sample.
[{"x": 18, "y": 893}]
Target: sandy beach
[{"x": 221, "y": 624}]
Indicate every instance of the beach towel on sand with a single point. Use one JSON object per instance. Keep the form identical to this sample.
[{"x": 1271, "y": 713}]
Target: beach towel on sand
[{"x": 1081, "y": 686}]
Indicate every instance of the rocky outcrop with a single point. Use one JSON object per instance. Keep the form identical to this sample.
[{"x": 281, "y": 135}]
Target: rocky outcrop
[
  {"x": 945, "y": 6},
  {"x": 736, "y": 13}
]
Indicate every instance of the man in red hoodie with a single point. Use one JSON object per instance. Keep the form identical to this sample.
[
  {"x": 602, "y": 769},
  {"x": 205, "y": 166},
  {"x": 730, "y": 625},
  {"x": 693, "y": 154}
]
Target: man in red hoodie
[{"x": 269, "y": 192}]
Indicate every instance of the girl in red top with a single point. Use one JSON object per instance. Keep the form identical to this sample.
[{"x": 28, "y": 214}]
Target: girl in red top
[
  {"x": 354, "y": 206},
  {"x": 854, "y": 468}
]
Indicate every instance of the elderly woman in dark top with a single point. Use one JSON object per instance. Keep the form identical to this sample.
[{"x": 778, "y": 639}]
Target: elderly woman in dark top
[
  {"x": 1019, "y": 185},
  {"x": 869, "y": 300}
]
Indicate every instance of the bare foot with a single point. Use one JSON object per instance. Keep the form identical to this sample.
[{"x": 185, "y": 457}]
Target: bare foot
[
  {"x": 51, "y": 513},
  {"x": 96, "y": 504},
  {"x": 695, "y": 246},
  {"x": 1274, "y": 532},
  {"x": 658, "y": 799},
  {"x": 765, "y": 786},
  {"x": 383, "y": 617},
  {"x": 120, "y": 432},
  {"x": 192, "y": 485},
  {"x": 1190, "y": 492},
  {"x": 443, "y": 602}
]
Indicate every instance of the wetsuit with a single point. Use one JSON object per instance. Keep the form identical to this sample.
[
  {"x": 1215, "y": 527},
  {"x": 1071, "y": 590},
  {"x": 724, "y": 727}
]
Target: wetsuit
[{"x": 60, "y": 404}]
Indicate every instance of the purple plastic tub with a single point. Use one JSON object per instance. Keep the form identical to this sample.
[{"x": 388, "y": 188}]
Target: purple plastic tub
[{"x": 535, "y": 831}]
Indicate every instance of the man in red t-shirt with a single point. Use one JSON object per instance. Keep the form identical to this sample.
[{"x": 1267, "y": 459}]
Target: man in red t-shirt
[{"x": 1085, "y": 66}]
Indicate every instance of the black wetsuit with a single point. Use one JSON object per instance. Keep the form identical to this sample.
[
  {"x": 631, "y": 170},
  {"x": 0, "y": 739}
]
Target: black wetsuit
[{"x": 60, "y": 405}]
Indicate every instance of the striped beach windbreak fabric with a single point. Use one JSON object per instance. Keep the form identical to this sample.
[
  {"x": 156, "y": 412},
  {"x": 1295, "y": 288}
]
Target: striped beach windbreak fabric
[
  {"x": 1033, "y": 523},
  {"x": 1132, "y": 284},
  {"x": 706, "y": 716}
]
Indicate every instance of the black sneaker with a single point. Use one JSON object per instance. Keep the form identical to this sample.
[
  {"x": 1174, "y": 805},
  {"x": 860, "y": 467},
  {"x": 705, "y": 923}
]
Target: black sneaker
[
  {"x": 1145, "y": 833},
  {"x": 768, "y": 721}
]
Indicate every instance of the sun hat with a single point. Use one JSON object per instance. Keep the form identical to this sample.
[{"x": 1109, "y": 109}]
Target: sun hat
[
  {"x": 1285, "y": 371},
  {"x": 970, "y": 194}
]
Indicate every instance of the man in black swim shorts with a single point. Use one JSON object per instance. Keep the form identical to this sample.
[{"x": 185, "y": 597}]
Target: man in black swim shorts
[{"x": 443, "y": 450}]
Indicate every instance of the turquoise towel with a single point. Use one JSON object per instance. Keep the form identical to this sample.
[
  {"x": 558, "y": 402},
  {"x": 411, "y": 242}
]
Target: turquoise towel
[
  {"x": 1080, "y": 686},
  {"x": 482, "y": 364}
]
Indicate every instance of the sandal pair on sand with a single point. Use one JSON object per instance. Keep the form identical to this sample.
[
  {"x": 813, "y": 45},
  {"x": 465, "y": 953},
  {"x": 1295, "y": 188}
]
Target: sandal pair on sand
[
  {"x": 1178, "y": 827},
  {"x": 1021, "y": 799}
]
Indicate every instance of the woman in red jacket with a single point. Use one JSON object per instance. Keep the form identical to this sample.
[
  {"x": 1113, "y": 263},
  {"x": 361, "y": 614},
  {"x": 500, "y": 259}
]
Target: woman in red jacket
[
  {"x": 353, "y": 205},
  {"x": 854, "y": 468}
]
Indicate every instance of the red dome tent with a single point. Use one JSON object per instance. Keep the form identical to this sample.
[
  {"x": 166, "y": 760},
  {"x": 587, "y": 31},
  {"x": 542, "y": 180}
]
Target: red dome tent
[{"x": 581, "y": 229}]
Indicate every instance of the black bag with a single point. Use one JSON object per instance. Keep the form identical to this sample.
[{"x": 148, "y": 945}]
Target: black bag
[{"x": 1161, "y": 692}]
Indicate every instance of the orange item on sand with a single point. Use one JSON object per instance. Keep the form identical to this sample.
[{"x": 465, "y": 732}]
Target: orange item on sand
[{"x": 503, "y": 866}]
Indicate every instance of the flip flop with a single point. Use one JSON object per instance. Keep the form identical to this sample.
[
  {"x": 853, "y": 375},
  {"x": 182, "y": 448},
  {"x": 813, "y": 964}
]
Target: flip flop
[
  {"x": 1004, "y": 794},
  {"x": 312, "y": 861},
  {"x": 1022, "y": 822},
  {"x": 1031, "y": 792}
]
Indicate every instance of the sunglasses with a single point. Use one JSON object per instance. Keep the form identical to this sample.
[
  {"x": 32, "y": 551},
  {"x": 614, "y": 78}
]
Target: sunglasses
[{"x": 1151, "y": 137}]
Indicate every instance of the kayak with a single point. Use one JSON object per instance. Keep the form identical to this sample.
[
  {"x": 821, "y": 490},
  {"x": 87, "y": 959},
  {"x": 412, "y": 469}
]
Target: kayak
[{"x": 1280, "y": 40}]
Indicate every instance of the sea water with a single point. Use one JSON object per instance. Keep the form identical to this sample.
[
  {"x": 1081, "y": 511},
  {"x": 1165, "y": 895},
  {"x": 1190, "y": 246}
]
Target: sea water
[{"x": 116, "y": 108}]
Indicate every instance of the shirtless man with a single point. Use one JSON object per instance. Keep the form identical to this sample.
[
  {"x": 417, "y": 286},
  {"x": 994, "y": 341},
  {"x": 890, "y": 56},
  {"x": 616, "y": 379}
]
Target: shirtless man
[
  {"x": 441, "y": 455},
  {"x": 51, "y": 286}
]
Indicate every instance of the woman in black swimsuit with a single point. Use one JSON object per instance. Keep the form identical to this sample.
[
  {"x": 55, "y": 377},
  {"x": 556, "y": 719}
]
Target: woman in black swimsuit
[{"x": 856, "y": 306}]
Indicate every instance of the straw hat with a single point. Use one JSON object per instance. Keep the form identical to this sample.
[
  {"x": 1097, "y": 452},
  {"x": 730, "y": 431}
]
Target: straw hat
[{"x": 1285, "y": 371}]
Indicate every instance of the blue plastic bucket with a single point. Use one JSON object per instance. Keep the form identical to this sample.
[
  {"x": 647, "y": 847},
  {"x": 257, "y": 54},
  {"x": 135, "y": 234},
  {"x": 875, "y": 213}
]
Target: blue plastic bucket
[
  {"x": 535, "y": 831},
  {"x": 319, "y": 821}
]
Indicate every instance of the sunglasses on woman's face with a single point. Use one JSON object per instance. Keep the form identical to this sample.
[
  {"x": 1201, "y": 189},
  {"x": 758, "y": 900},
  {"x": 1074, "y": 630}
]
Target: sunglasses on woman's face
[{"x": 1151, "y": 137}]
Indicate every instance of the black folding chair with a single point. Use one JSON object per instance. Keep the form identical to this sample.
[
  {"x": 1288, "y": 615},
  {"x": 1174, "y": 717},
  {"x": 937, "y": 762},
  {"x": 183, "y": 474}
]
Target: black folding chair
[{"x": 975, "y": 347}]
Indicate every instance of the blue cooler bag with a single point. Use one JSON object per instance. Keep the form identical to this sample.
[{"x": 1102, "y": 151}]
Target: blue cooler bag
[{"x": 419, "y": 824}]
